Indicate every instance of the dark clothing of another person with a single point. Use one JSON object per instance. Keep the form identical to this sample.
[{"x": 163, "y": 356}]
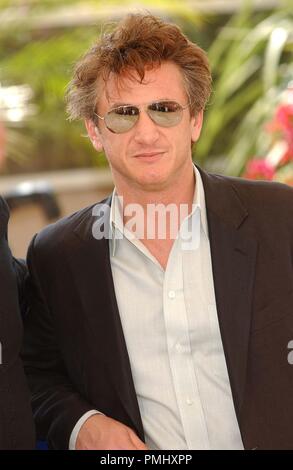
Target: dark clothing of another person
[{"x": 16, "y": 421}]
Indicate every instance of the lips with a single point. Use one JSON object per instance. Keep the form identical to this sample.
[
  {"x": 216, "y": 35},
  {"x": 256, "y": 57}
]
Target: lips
[{"x": 149, "y": 155}]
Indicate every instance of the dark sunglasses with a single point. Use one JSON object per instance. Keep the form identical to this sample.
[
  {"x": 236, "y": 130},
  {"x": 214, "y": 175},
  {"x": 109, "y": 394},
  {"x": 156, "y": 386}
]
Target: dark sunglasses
[{"x": 165, "y": 113}]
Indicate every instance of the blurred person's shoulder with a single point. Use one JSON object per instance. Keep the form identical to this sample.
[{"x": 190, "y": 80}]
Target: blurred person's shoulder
[
  {"x": 3, "y": 207},
  {"x": 4, "y": 216}
]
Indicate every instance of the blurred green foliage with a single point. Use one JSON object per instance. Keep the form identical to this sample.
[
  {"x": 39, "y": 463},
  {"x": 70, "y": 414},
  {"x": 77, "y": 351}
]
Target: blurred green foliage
[{"x": 251, "y": 60}]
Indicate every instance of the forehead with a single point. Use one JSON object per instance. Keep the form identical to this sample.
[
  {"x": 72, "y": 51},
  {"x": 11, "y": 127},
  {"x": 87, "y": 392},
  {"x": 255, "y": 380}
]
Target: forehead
[{"x": 161, "y": 82}]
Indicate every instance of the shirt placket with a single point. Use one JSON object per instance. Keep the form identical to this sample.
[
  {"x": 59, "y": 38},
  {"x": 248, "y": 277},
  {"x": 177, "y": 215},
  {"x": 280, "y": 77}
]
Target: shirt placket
[{"x": 180, "y": 354}]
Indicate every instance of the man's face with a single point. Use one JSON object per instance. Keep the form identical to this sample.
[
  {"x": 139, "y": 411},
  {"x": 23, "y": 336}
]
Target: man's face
[{"x": 147, "y": 157}]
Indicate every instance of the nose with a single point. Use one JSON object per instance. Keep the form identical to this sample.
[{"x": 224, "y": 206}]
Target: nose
[{"x": 145, "y": 131}]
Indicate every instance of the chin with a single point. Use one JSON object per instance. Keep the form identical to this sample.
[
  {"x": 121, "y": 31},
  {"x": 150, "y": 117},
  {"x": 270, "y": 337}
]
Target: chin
[{"x": 153, "y": 184}]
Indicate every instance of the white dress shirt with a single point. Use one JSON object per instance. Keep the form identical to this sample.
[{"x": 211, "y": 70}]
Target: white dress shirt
[{"x": 170, "y": 323}]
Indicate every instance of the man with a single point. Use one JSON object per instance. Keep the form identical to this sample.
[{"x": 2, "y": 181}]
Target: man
[
  {"x": 137, "y": 339},
  {"x": 16, "y": 420}
]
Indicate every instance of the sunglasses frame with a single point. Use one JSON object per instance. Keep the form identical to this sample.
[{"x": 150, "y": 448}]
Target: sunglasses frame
[{"x": 143, "y": 106}]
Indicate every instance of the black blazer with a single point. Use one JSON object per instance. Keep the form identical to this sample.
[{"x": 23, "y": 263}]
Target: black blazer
[
  {"x": 75, "y": 351},
  {"x": 16, "y": 420}
]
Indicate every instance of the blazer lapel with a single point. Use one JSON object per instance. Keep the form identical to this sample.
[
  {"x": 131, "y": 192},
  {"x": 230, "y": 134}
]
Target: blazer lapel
[
  {"x": 233, "y": 252},
  {"x": 90, "y": 264}
]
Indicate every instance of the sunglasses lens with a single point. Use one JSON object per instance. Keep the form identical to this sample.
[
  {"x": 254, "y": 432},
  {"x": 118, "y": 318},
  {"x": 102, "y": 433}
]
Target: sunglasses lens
[
  {"x": 122, "y": 119},
  {"x": 165, "y": 113}
]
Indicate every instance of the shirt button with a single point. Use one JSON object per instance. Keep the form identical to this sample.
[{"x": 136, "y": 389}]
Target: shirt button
[
  {"x": 171, "y": 294},
  {"x": 189, "y": 401}
]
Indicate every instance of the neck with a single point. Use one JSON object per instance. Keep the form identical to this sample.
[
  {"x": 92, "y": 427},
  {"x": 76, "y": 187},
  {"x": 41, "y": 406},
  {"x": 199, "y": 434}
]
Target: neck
[{"x": 180, "y": 192}]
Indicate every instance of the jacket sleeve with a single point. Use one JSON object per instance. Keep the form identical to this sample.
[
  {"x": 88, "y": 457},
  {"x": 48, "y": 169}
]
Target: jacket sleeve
[
  {"x": 19, "y": 265},
  {"x": 57, "y": 406}
]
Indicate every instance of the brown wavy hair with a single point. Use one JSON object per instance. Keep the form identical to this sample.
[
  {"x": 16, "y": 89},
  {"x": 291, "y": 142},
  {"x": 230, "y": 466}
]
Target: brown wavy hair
[{"x": 138, "y": 42}]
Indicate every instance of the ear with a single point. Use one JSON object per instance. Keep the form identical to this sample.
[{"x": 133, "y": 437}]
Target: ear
[
  {"x": 94, "y": 134},
  {"x": 196, "y": 125}
]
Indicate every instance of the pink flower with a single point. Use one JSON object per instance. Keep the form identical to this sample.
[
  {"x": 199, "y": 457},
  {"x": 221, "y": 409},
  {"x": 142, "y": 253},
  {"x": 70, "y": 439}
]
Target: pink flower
[
  {"x": 282, "y": 124},
  {"x": 278, "y": 165},
  {"x": 287, "y": 157},
  {"x": 259, "y": 169}
]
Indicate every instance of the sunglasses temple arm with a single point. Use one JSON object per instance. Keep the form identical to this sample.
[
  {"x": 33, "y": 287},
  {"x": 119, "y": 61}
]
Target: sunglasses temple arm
[{"x": 100, "y": 117}]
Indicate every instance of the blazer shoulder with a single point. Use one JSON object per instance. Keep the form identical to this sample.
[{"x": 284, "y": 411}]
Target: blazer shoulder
[
  {"x": 266, "y": 191},
  {"x": 269, "y": 187},
  {"x": 268, "y": 198},
  {"x": 53, "y": 236},
  {"x": 252, "y": 190}
]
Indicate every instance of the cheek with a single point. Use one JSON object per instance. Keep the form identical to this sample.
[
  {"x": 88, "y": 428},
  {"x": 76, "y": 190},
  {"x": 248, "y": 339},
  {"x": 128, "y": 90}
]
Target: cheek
[
  {"x": 181, "y": 137},
  {"x": 115, "y": 147},
  {"x": 182, "y": 144}
]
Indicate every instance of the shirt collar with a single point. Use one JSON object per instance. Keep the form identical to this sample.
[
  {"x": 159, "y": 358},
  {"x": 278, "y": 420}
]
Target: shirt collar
[
  {"x": 200, "y": 201},
  {"x": 116, "y": 220}
]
